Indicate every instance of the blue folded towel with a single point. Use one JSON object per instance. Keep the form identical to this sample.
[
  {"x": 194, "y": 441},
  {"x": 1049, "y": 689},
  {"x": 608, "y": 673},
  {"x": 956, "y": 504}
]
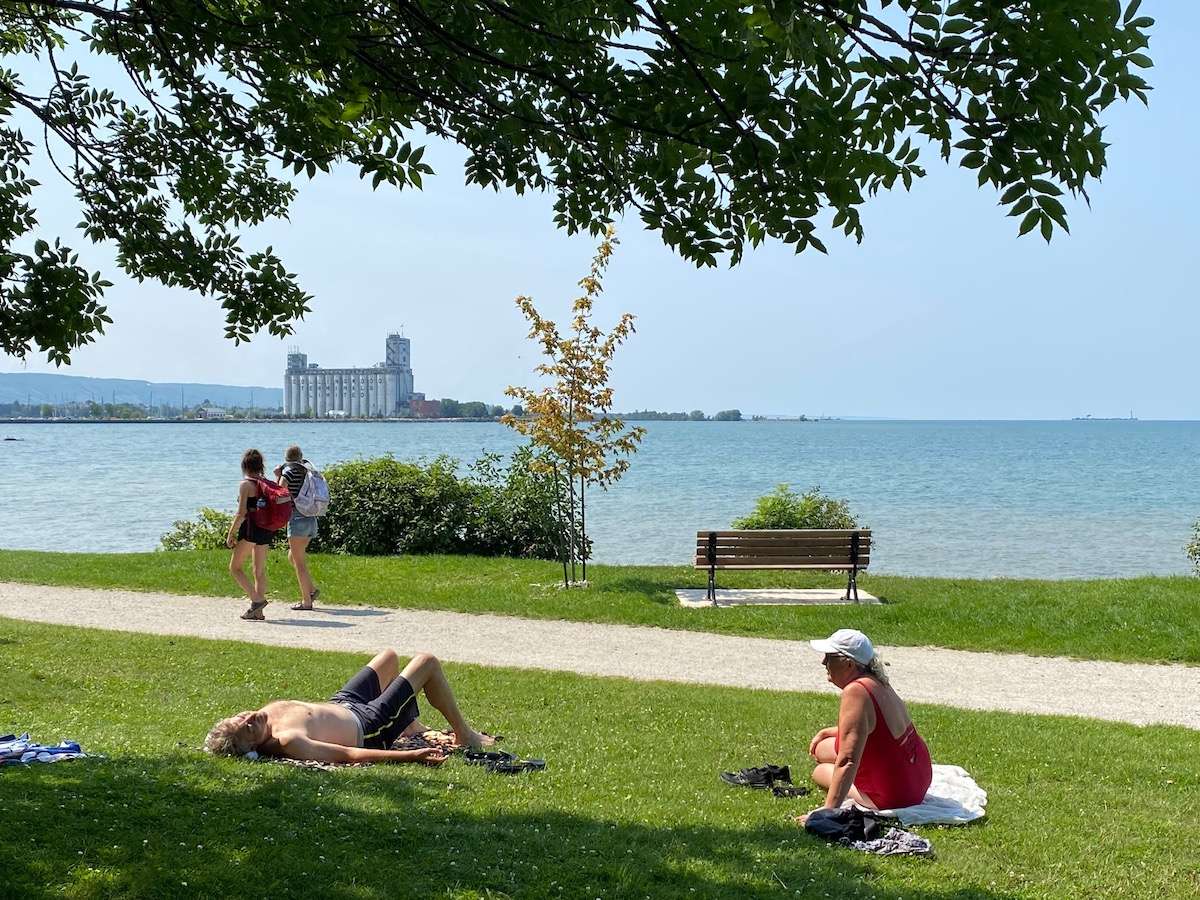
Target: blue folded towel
[{"x": 21, "y": 750}]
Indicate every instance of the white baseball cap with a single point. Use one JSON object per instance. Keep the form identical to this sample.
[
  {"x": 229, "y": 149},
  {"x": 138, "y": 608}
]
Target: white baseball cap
[{"x": 847, "y": 642}]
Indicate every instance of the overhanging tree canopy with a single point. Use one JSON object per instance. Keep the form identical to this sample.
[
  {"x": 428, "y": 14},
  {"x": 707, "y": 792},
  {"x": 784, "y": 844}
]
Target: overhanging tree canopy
[{"x": 720, "y": 122}]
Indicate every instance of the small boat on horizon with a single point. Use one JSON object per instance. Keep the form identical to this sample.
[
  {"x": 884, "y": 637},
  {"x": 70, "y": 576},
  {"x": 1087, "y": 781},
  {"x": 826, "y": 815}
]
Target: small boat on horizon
[{"x": 1090, "y": 418}]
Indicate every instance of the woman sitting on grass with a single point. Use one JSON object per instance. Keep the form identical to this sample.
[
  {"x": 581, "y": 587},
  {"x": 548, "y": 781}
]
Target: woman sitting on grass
[{"x": 873, "y": 755}]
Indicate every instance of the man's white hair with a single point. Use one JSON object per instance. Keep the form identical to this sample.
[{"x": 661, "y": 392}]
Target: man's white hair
[{"x": 223, "y": 740}]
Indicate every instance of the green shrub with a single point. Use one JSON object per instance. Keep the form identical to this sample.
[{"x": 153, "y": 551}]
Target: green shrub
[
  {"x": 516, "y": 510},
  {"x": 1193, "y": 547},
  {"x": 784, "y": 508},
  {"x": 384, "y": 506},
  {"x": 206, "y": 533}
]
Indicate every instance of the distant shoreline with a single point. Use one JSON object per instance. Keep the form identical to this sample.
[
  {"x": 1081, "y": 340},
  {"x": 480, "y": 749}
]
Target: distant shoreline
[
  {"x": 279, "y": 421},
  {"x": 855, "y": 420}
]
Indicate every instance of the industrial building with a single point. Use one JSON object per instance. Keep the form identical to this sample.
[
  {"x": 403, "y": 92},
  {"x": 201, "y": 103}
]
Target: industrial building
[{"x": 385, "y": 389}]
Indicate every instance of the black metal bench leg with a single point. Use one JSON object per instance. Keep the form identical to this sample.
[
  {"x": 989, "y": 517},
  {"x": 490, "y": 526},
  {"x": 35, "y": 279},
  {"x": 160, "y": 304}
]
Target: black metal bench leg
[
  {"x": 852, "y": 584},
  {"x": 712, "y": 567}
]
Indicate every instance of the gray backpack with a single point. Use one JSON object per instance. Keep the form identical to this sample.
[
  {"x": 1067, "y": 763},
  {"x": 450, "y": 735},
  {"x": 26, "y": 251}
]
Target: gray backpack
[{"x": 313, "y": 499}]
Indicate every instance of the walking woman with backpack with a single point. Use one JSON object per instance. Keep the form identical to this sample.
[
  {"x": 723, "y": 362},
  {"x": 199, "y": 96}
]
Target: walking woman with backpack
[
  {"x": 260, "y": 513},
  {"x": 310, "y": 497}
]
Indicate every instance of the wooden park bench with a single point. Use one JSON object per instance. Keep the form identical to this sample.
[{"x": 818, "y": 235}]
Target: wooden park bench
[{"x": 833, "y": 550}]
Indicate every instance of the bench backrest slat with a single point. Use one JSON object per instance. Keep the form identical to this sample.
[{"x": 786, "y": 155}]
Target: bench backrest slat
[{"x": 801, "y": 548}]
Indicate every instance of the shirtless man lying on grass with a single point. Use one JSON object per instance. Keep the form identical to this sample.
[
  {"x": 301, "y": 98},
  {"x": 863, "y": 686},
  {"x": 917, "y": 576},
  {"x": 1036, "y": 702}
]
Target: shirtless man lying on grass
[{"x": 358, "y": 724}]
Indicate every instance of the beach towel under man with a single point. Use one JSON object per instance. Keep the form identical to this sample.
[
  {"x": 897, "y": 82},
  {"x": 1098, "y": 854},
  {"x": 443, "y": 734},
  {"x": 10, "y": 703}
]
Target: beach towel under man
[{"x": 823, "y": 549}]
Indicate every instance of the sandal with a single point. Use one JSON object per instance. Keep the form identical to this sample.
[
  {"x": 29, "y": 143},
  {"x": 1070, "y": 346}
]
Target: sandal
[
  {"x": 488, "y": 758},
  {"x": 516, "y": 766},
  {"x": 312, "y": 601},
  {"x": 255, "y": 612},
  {"x": 501, "y": 762}
]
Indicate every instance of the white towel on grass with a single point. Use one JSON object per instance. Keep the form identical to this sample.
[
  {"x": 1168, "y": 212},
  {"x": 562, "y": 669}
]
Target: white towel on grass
[{"x": 953, "y": 798}]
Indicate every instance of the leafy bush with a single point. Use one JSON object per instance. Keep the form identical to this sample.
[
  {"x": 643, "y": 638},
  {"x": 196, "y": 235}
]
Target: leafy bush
[
  {"x": 207, "y": 533},
  {"x": 1193, "y": 547},
  {"x": 384, "y": 506},
  {"x": 784, "y": 508}
]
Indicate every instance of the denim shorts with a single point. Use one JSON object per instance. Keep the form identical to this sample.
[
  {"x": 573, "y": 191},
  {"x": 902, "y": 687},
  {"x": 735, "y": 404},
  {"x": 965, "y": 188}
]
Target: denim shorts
[{"x": 302, "y": 526}]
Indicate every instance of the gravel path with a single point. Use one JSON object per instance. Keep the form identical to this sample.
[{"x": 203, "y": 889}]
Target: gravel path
[{"x": 1123, "y": 692}]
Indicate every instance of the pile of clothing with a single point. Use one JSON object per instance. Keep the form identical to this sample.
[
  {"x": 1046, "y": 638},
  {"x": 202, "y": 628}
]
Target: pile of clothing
[
  {"x": 859, "y": 829},
  {"x": 17, "y": 751}
]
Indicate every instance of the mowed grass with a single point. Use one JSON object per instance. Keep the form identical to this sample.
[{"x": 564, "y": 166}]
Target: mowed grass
[
  {"x": 629, "y": 805},
  {"x": 1138, "y": 619}
]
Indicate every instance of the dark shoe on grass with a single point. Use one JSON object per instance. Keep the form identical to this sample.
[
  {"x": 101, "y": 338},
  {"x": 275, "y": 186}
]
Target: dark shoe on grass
[
  {"x": 759, "y": 777},
  {"x": 488, "y": 757},
  {"x": 516, "y": 766}
]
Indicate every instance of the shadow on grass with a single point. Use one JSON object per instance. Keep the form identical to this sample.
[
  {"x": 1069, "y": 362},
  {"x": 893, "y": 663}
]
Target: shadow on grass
[
  {"x": 652, "y": 590},
  {"x": 148, "y": 827}
]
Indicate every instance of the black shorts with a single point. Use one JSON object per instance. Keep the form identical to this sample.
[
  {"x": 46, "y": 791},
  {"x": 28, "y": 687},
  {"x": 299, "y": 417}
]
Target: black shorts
[
  {"x": 383, "y": 715},
  {"x": 255, "y": 535}
]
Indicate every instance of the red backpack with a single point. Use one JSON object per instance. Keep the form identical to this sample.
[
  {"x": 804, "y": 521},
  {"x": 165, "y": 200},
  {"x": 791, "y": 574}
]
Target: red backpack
[{"x": 274, "y": 506}]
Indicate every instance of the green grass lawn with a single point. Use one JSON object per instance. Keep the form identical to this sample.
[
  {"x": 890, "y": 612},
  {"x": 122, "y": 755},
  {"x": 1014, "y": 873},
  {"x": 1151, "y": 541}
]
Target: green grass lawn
[
  {"x": 629, "y": 806},
  {"x": 1147, "y": 619}
]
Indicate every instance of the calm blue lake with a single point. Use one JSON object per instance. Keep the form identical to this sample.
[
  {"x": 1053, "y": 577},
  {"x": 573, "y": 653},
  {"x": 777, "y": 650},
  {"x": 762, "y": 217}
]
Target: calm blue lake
[{"x": 1038, "y": 499}]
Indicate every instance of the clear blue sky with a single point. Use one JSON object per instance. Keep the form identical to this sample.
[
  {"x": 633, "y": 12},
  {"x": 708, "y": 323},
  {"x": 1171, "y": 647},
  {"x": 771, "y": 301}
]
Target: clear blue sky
[{"x": 942, "y": 312}]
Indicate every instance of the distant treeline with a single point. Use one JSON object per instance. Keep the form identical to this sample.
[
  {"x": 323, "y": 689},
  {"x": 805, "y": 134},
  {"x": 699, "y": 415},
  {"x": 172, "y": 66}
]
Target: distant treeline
[
  {"x": 696, "y": 415},
  {"x": 90, "y": 409},
  {"x": 449, "y": 408}
]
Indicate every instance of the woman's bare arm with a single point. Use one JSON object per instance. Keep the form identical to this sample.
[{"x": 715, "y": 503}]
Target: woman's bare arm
[
  {"x": 239, "y": 514},
  {"x": 856, "y": 721}
]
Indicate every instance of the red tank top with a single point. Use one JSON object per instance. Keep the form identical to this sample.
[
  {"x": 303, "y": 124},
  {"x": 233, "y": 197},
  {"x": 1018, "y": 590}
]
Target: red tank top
[{"x": 894, "y": 771}]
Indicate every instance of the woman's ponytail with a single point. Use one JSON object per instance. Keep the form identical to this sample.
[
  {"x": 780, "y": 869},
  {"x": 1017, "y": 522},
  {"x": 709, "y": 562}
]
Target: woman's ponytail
[{"x": 877, "y": 670}]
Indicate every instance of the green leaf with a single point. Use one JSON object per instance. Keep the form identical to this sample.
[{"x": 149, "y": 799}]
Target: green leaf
[
  {"x": 1141, "y": 60},
  {"x": 1011, "y": 195},
  {"x": 1046, "y": 187},
  {"x": 1055, "y": 211},
  {"x": 1030, "y": 220},
  {"x": 1131, "y": 11},
  {"x": 1022, "y": 206},
  {"x": 958, "y": 26},
  {"x": 1047, "y": 228}
]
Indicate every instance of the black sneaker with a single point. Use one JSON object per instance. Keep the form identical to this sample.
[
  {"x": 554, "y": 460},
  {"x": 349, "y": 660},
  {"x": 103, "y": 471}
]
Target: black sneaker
[{"x": 759, "y": 777}]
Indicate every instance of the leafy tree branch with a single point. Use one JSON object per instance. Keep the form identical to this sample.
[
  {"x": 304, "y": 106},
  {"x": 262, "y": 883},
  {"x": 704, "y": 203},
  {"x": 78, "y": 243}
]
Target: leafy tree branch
[{"x": 721, "y": 124}]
